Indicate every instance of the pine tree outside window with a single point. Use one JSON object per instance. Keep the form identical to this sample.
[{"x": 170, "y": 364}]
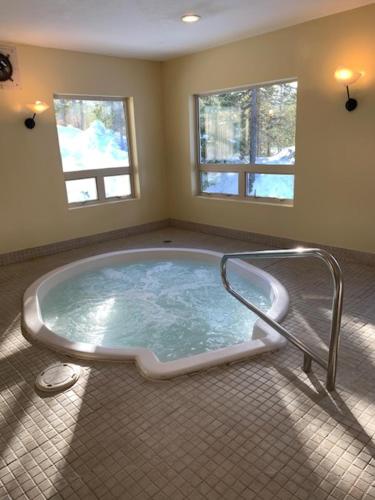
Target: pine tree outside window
[{"x": 246, "y": 142}]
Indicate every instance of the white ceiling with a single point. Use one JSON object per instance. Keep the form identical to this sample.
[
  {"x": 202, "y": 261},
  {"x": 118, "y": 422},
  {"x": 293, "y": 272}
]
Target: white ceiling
[{"x": 151, "y": 29}]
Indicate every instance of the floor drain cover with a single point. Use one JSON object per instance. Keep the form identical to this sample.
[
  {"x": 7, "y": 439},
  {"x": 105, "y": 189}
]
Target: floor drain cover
[{"x": 58, "y": 377}]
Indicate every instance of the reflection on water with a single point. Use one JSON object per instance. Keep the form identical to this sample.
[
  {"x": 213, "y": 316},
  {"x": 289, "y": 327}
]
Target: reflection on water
[{"x": 175, "y": 308}]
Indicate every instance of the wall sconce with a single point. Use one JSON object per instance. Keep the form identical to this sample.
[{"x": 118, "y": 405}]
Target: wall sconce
[
  {"x": 347, "y": 77},
  {"x": 37, "y": 107}
]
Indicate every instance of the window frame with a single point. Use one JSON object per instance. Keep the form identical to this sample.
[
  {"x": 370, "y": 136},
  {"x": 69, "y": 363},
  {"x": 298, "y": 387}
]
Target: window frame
[
  {"x": 242, "y": 169},
  {"x": 99, "y": 173}
]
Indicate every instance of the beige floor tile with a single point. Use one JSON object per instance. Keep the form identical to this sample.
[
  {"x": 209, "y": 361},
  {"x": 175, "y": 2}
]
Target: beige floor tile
[{"x": 258, "y": 429}]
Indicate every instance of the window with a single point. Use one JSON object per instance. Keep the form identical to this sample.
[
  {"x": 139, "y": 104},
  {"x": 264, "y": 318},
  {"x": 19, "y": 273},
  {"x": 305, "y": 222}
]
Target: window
[
  {"x": 94, "y": 147},
  {"x": 246, "y": 142}
]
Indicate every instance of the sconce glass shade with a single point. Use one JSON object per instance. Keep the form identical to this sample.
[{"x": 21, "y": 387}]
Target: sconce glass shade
[
  {"x": 38, "y": 107},
  {"x": 347, "y": 76}
]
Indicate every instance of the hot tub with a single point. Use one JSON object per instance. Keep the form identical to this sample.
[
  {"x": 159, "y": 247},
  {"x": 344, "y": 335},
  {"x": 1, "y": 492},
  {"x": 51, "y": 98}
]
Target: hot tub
[{"x": 166, "y": 309}]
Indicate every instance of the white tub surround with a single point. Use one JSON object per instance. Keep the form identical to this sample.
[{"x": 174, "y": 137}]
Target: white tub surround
[{"x": 263, "y": 339}]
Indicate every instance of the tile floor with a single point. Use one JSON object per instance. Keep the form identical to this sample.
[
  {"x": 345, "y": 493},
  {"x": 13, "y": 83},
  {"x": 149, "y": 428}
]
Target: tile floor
[{"x": 258, "y": 429}]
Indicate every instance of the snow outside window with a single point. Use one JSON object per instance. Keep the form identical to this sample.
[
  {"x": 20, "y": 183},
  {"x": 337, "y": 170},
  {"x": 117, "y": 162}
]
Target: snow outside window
[
  {"x": 246, "y": 142},
  {"x": 94, "y": 147}
]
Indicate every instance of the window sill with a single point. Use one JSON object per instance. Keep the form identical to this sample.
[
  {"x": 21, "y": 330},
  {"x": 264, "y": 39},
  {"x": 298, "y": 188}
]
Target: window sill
[
  {"x": 251, "y": 201},
  {"x": 97, "y": 203}
]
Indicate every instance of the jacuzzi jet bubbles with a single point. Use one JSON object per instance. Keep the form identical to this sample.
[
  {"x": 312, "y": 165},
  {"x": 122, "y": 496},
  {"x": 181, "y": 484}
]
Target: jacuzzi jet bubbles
[{"x": 166, "y": 308}]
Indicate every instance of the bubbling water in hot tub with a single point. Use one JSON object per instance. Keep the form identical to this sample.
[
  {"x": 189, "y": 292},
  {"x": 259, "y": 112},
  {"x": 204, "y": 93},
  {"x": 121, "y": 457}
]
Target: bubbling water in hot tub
[{"x": 174, "y": 308}]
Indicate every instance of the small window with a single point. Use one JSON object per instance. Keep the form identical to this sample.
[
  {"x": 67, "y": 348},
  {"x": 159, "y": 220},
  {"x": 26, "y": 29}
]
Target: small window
[
  {"x": 117, "y": 186},
  {"x": 94, "y": 148},
  {"x": 279, "y": 186},
  {"x": 81, "y": 190},
  {"x": 248, "y": 137},
  {"x": 219, "y": 182}
]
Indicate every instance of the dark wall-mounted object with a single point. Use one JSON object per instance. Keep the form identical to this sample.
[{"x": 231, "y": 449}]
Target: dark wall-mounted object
[
  {"x": 351, "y": 103},
  {"x": 30, "y": 122},
  {"x": 37, "y": 107},
  {"x": 9, "y": 71},
  {"x": 6, "y": 68}
]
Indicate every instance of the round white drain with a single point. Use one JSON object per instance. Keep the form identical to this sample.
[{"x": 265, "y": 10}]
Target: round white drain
[{"x": 58, "y": 377}]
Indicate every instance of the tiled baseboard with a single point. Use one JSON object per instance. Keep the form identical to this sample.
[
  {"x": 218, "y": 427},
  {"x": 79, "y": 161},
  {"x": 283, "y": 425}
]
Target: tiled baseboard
[
  {"x": 261, "y": 239},
  {"x": 62, "y": 246},
  {"x": 273, "y": 241}
]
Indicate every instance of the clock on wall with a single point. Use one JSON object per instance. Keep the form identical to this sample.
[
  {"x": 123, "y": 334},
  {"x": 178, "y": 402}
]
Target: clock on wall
[{"x": 9, "y": 75}]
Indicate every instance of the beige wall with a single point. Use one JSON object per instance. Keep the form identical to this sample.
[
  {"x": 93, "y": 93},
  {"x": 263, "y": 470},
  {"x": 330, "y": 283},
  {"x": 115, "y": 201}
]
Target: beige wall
[
  {"x": 33, "y": 208},
  {"x": 335, "y": 150},
  {"x": 335, "y": 170}
]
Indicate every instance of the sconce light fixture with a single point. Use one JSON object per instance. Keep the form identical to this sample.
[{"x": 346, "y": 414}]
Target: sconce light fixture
[
  {"x": 347, "y": 77},
  {"x": 37, "y": 107}
]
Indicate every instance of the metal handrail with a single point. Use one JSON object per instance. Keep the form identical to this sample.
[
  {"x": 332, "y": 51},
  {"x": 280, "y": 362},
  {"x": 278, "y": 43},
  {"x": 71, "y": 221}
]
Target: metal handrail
[{"x": 309, "y": 355}]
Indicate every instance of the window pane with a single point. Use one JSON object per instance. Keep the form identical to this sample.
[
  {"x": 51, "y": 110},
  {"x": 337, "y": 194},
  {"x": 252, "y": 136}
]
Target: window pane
[
  {"x": 270, "y": 186},
  {"x": 255, "y": 125},
  {"x": 92, "y": 134},
  {"x": 81, "y": 190},
  {"x": 276, "y": 124},
  {"x": 219, "y": 182},
  {"x": 224, "y": 127},
  {"x": 117, "y": 185}
]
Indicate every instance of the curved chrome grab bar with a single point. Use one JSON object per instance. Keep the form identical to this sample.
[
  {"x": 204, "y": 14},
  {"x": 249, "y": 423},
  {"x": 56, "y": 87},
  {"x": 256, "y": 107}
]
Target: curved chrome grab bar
[{"x": 336, "y": 273}]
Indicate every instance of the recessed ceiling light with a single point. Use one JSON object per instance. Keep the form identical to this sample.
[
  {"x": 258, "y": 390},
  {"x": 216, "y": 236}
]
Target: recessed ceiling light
[{"x": 190, "y": 18}]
